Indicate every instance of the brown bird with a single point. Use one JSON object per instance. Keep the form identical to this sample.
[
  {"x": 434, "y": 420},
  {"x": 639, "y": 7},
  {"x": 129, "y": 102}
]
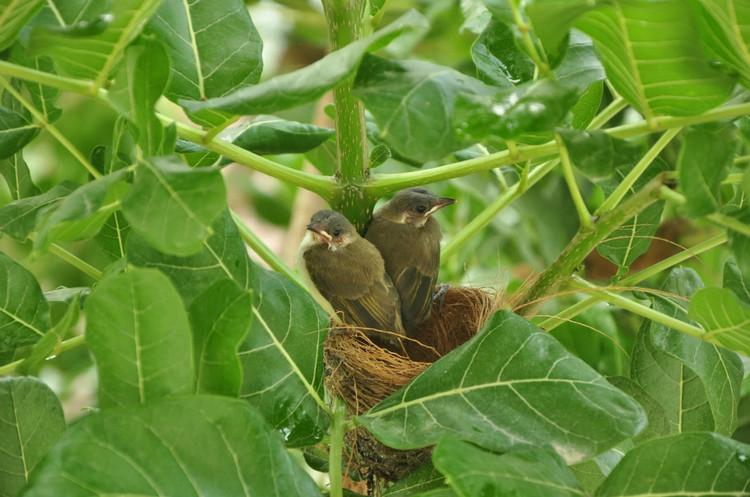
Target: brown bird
[
  {"x": 408, "y": 238},
  {"x": 349, "y": 272}
]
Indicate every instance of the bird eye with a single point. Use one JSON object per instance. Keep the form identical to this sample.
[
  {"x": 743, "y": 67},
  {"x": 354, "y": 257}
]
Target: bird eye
[
  {"x": 336, "y": 232},
  {"x": 421, "y": 209}
]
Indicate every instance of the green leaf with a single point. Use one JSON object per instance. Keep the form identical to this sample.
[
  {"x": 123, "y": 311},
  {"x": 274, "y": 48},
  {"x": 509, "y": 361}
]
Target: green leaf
[
  {"x": 222, "y": 256},
  {"x": 172, "y": 206},
  {"x": 271, "y": 135},
  {"x": 413, "y": 104},
  {"x": 379, "y": 154},
  {"x": 552, "y": 19},
  {"x": 18, "y": 218},
  {"x": 418, "y": 481},
  {"x": 113, "y": 236},
  {"x": 72, "y": 12},
  {"x": 17, "y": 177},
  {"x": 214, "y": 48},
  {"x": 138, "y": 85},
  {"x": 94, "y": 56},
  {"x": 696, "y": 383},
  {"x": 580, "y": 67},
  {"x": 511, "y": 385},
  {"x": 81, "y": 214},
  {"x": 282, "y": 357},
  {"x": 724, "y": 27},
  {"x": 310, "y": 82},
  {"x": 45, "y": 347},
  {"x": 43, "y": 97},
  {"x": 528, "y": 472},
  {"x": 596, "y": 154},
  {"x": 738, "y": 243},
  {"x": 746, "y": 182},
  {"x": 696, "y": 464},
  {"x": 725, "y": 318},
  {"x": 31, "y": 421},
  {"x": 658, "y": 423},
  {"x": 196, "y": 155},
  {"x": 220, "y": 319},
  {"x": 24, "y": 313},
  {"x": 706, "y": 154},
  {"x": 16, "y": 130},
  {"x": 139, "y": 334},
  {"x": 651, "y": 52},
  {"x": 14, "y": 14},
  {"x": 734, "y": 281},
  {"x": 498, "y": 60},
  {"x": 198, "y": 446}
]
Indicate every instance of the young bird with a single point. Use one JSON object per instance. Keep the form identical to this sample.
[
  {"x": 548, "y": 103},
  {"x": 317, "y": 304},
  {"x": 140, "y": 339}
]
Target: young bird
[
  {"x": 408, "y": 238},
  {"x": 350, "y": 274}
]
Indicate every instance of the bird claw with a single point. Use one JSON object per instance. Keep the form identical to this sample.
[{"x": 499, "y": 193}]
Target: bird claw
[{"x": 440, "y": 294}]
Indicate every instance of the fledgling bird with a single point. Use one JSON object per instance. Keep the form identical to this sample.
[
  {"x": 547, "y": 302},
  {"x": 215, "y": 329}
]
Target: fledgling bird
[
  {"x": 408, "y": 238},
  {"x": 349, "y": 272}
]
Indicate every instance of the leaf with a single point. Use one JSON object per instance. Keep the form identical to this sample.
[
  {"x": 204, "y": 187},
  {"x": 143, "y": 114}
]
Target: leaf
[
  {"x": 596, "y": 154},
  {"x": 14, "y": 14},
  {"x": 94, "y": 55},
  {"x": 528, "y": 472},
  {"x": 580, "y": 67},
  {"x": 498, "y": 60},
  {"x": 723, "y": 26},
  {"x": 16, "y": 130},
  {"x": 45, "y": 347},
  {"x": 82, "y": 213},
  {"x": 511, "y": 385},
  {"x": 220, "y": 319},
  {"x": 271, "y": 135},
  {"x": 196, "y": 155},
  {"x": 72, "y": 12},
  {"x": 222, "y": 256},
  {"x": 706, "y": 154},
  {"x": 725, "y": 318},
  {"x": 197, "y": 446},
  {"x": 378, "y": 155},
  {"x": 214, "y": 48},
  {"x": 282, "y": 357},
  {"x": 734, "y": 281},
  {"x": 667, "y": 466},
  {"x": 696, "y": 383},
  {"x": 552, "y": 19},
  {"x": 31, "y": 421},
  {"x": 739, "y": 244},
  {"x": 113, "y": 236},
  {"x": 652, "y": 55},
  {"x": 658, "y": 423},
  {"x": 172, "y": 206},
  {"x": 18, "y": 218},
  {"x": 310, "y": 82},
  {"x": 43, "y": 97},
  {"x": 24, "y": 313},
  {"x": 138, "y": 331},
  {"x": 418, "y": 481},
  {"x": 17, "y": 177},
  {"x": 413, "y": 104},
  {"x": 138, "y": 85}
]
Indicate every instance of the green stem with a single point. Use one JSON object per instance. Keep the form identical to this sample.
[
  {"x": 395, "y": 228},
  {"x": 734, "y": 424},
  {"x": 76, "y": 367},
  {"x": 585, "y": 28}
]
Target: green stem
[
  {"x": 639, "y": 309},
  {"x": 537, "y": 56},
  {"x": 75, "y": 261},
  {"x": 345, "y": 20},
  {"x": 584, "y": 242},
  {"x": 584, "y": 216},
  {"x": 742, "y": 159},
  {"x": 627, "y": 183},
  {"x": 635, "y": 278},
  {"x": 336, "y": 452},
  {"x": 733, "y": 179},
  {"x": 26, "y": 73},
  {"x": 717, "y": 218},
  {"x": 42, "y": 120},
  {"x": 71, "y": 343},
  {"x": 608, "y": 113}
]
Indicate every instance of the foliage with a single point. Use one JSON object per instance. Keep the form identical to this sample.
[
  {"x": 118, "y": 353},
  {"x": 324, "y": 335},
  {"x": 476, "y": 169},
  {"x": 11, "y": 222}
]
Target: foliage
[{"x": 572, "y": 132}]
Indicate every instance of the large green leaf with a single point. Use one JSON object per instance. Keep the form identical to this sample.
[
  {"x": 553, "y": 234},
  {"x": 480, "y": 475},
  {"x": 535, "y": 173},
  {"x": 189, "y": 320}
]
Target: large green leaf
[
  {"x": 725, "y": 32},
  {"x": 198, "y": 446},
  {"x": 18, "y": 218},
  {"x": 220, "y": 318},
  {"x": 271, "y": 135},
  {"x": 651, "y": 52},
  {"x": 214, "y": 48},
  {"x": 511, "y": 385},
  {"x": 689, "y": 464},
  {"x": 16, "y": 130},
  {"x": 417, "y": 482},
  {"x": 13, "y": 15},
  {"x": 173, "y": 206},
  {"x": 696, "y": 383},
  {"x": 17, "y": 177},
  {"x": 94, "y": 56},
  {"x": 113, "y": 236},
  {"x": 705, "y": 158},
  {"x": 31, "y": 421},
  {"x": 725, "y": 318},
  {"x": 498, "y": 60},
  {"x": 552, "y": 18},
  {"x": 138, "y": 330},
  {"x": 282, "y": 357},
  {"x": 310, "y": 82},
  {"x": 529, "y": 472},
  {"x": 222, "y": 256},
  {"x": 24, "y": 313},
  {"x": 734, "y": 281}
]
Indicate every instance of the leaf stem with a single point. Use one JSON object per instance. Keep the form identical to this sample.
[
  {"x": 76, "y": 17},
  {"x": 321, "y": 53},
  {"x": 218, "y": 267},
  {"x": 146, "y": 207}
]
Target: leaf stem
[
  {"x": 336, "y": 452},
  {"x": 537, "y": 56},
  {"x": 608, "y": 113},
  {"x": 82, "y": 86},
  {"x": 716, "y": 218},
  {"x": 584, "y": 216},
  {"x": 71, "y": 343},
  {"x": 75, "y": 261}
]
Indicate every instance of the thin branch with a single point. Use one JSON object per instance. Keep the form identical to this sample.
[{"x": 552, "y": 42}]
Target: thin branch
[
  {"x": 75, "y": 261},
  {"x": 716, "y": 218},
  {"x": 584, "y": 216},
  {"x": 538, "y": 57},
  {"x": 71, "y": 343}
]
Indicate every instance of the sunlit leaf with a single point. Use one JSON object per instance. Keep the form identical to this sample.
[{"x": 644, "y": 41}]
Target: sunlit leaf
[
  {"x": 734, "y": 281},
  {"x": 725, "y": 318},
  {"x": 13, "y": 15},
  {"x": 16, "y": 130},
  {"x": 724, "y": 27},
  {"x": 24, "y": 313},
  {"x": 17, "y": 177}
]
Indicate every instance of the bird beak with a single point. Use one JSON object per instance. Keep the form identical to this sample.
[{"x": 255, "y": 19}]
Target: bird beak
[
  {"x": 440, "y": 203},
  {"x": 318, "y": 230}
]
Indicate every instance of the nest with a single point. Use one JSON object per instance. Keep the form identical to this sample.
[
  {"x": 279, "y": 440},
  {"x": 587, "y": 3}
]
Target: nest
[{"x": 362, "y": 372}]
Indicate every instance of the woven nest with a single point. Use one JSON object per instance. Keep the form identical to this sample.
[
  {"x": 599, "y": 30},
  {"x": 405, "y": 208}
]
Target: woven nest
[{"x": 363, "y": 372}]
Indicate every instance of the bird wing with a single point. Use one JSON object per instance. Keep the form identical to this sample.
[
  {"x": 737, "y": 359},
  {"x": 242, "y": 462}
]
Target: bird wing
[
  {"x": 415, "y": 288},
  {"x": 376, "y": 308}
]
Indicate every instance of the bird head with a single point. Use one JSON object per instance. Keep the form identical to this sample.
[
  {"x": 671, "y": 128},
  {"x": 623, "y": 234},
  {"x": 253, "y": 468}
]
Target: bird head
[
  {"x": 415, "y": 206},
  {"x": 331, "y": 229}
]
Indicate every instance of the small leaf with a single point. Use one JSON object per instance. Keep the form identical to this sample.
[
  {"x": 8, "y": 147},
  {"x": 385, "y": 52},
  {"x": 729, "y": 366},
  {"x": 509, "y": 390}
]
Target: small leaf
[
  {"x": 498, "y": 60},
  {"x": 17, "y": 177},
  {"x": 310, "y": 82},
  {"x": 528, "y": 472},
  {"x": 172, "y": 206},
  {"x": 13, "y": 16},
  {"x": 271, "y": 135},
  {"x": 139, "y": 334},
  {"x": 734, "y": 281},
  {"x": 16, "y": 130},
  {"x": 596, "y": 154},
  {"x": 45, "y": 347},
  {"x": 113, "y": 236},
  {"x": 24, "y": 313},
  {"x": 666, "y": 466},
  {"x": 18, "y": 218},
  {"x": 31, "y": 421},
  {"x": 724, "y": 317},
  {"x": 379, "y": 154},
  {"x": 511, "y": 385},
  {"x": 220, "y": 318},
  {"x": 195, "y": 155},
  {"x": 188, "y": 446}
]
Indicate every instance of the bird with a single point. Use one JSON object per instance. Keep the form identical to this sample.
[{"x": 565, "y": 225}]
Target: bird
[
  {"x": 408, "y": 238},
  {"x": 349, "y": 272}
]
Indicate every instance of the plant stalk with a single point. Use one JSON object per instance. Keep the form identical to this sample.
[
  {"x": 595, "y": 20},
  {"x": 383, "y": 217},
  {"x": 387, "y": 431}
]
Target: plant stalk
[
  {"x": 75, "y": 261},
  {"x": 716, "y": 217},
  {"x": 537, "y": 56},
  {"x": 336, "y": 452},
  {"x": 584, "y": 216},
  {"x": 71, "y": 343}
]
